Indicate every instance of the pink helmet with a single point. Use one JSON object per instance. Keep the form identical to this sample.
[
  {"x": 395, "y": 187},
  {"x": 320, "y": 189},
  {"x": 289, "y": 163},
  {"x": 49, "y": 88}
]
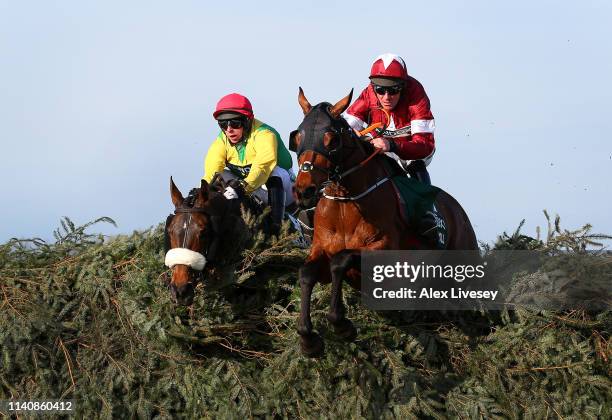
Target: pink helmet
[
  {"x": 234, "y": 103},
  {"x": 388, "y": 68}
]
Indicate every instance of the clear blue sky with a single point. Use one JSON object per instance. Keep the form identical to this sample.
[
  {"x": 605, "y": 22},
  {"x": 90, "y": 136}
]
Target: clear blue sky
[{"x": 100, "y": 102}]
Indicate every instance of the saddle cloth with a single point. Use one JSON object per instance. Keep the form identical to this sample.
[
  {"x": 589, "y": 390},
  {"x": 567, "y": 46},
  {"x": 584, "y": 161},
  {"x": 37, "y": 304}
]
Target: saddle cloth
[{"x": 414, "y": 198}]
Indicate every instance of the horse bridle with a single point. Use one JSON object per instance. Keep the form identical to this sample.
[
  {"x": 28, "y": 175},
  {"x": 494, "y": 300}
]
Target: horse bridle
[
  {"x": 335, "y": 175},
  {"x": 190, "y": 211},
  {"x": 209, "y": 253}
]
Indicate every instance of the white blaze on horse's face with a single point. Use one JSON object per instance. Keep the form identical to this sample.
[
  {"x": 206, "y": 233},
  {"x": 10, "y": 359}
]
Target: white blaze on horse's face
[{"x": 185, "y": 256}]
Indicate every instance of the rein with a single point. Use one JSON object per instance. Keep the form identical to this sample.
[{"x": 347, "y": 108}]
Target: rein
[
  {"x": 315, "y": 126},
  {"x": 355, "y": 197},
  {"x": 359, "y": 165},
  {"x": 334, "y": 177},
  {"x": 308, "y": 166},
  {"x": 378, "y": 127}
]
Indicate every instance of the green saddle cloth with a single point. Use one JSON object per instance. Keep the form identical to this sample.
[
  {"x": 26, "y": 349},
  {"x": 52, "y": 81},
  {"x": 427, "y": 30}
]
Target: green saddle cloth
[{"x": 415, "y": 197}]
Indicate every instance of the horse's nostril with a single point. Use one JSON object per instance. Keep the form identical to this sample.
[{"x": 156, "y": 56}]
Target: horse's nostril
[{"x": 182, "y": 293}]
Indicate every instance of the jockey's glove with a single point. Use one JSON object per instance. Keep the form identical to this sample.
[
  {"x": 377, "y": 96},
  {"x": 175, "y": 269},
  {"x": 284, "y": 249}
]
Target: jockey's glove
[
  {"x": 238, "y": 187},
  {"x": 230, "y": 193}
]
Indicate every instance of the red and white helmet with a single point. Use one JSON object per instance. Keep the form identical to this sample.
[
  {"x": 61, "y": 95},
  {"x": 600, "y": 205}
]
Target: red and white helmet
[
  {"x": 234, "y": 103},
  {"x": 388, "y": 66}
]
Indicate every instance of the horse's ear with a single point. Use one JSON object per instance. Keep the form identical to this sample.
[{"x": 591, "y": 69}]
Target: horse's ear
[
  {"x": 177, "y": 197},
  {"x": 341, "y": 106},
  {"x": 306, "y": 107},
  {"x": 204, "y": 189}
]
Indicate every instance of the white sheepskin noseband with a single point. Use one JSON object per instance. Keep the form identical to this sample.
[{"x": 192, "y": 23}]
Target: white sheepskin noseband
[{"x": 185, "y": 256}]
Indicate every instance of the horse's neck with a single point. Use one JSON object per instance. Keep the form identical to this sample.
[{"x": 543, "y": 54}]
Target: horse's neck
[
  {"x": 369, "y": 207},
  {"x": 363, "y": 178},
  {"x": 216, "y": 203}
]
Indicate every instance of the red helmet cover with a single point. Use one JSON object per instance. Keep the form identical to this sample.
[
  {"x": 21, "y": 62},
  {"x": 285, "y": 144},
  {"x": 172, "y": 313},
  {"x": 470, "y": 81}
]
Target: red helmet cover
[{"x": 234, "y": 102}]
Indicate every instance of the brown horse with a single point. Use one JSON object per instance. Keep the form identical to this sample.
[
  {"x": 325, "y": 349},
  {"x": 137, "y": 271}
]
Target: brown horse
[
  {"x": 358, "y": 211},
  {"x": 198, "y": 236}
]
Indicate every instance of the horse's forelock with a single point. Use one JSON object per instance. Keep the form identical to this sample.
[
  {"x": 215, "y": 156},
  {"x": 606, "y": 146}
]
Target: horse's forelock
[
  {"x": 325, "y": 108},
  {"x": 191, "y": 198}
]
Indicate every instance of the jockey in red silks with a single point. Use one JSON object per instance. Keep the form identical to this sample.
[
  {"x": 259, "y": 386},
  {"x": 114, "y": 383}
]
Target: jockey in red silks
[{"x": 400, "y": 103}]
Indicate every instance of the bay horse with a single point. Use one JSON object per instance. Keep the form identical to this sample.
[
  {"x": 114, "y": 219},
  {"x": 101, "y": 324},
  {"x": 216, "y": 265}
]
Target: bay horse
[
  {"x": 357, "y": 209},
  {"x": 199, "y": 236}
]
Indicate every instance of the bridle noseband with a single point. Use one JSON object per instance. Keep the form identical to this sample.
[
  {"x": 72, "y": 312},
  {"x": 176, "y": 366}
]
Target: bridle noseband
[
  {"x": 333, "y": 175},
  {"x": 194, "y": 259}
]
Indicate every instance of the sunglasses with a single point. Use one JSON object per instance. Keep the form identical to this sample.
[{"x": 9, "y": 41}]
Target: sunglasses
[
  {"x": 235, "y": 123},
  {"x": 391, "y": 90}
]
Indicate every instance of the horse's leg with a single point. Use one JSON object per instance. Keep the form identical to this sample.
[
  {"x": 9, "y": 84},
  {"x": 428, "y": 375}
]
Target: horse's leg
[
  {"x": 311, "y": 343},
  {"x": 340, "y": 264}
]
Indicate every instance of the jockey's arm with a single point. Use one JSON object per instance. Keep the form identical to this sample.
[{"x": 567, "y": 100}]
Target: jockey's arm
[
  {"x": 264, "y": 162},
  {"x": 357, "y": 125},
  {"x": 422, "y": 124},
  {"x": 418, "y": 147},
  {"x": 215, "y": 159}
]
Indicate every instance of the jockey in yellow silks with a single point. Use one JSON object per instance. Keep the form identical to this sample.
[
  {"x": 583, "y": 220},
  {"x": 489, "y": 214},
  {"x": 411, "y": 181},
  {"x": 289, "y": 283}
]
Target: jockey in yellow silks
[{"x": 253, "y": 152}]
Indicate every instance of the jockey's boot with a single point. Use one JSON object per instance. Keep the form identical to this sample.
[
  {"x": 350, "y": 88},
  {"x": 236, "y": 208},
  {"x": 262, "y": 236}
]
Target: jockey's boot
[
  {"x": 433, "y": 226},
  {"x": 417, "y": 169},
  {"x": 276, "y": 199}
]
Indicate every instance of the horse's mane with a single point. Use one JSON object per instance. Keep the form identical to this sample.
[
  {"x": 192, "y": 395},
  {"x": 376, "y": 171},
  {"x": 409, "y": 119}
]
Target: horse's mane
[
  {"x": 367, "y": 146},
  {"x": 324, "y": 107},
  {"x": 189, "y": 201},
  {"x": 225, "y": 216},
  {"x": 215, "y": 202}
]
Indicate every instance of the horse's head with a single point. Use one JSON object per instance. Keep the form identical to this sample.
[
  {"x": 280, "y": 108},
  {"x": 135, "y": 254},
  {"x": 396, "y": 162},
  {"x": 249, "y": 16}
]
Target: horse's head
[
  {"x": 191, "y": 239},
  {"x": 319, "y": 142}
]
